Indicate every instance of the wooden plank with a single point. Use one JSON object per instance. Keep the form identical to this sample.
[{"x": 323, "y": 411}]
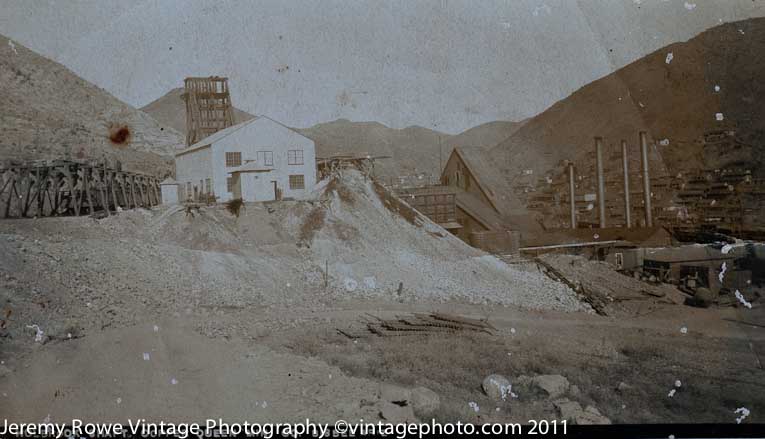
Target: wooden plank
[
  {"x": 11, "y": 190},
  {"x": 114, "y": 191},
  {"x": 462, "y": 320},
  {"x": 132, "y": 191},
  {"x": 86, "y": 184}
]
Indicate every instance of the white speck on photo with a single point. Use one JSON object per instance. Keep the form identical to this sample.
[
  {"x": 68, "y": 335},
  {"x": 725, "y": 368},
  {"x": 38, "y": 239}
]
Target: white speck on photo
[
  {"x": 669, "y": 58},
  {"x": 684, "y": 330},
  {"x": 690, "y": 6},
  {"x": 744, "y": 414},
  {"x": 473, "y": 406},
  {"x": 743, "y": 300},
  {"x": 719, "y": 116},
  {"x": 146, "y": 356}
]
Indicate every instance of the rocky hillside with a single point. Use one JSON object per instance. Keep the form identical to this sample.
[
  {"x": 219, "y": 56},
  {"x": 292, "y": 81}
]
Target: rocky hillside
[
  {"x": 49, "y": 112},
  {"x": 412, "y": 150},
  {"x": 169, "y": 111},
  {"x": 678, "y": 94}
]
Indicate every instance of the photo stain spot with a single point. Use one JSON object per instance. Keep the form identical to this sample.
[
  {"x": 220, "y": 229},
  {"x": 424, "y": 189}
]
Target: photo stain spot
[{"x": 119, "y": 134}]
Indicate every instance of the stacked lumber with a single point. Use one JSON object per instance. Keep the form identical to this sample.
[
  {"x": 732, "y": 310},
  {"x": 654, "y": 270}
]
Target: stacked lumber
[{"x": 432, "y": 323}]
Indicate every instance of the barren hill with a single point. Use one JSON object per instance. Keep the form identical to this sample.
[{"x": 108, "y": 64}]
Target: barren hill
[
  {"x": 49, "y": 112},
  {"x": 169, "y": 111},
  {"x": 675, "y": 93},
  {"x": 412, "y": 150}
]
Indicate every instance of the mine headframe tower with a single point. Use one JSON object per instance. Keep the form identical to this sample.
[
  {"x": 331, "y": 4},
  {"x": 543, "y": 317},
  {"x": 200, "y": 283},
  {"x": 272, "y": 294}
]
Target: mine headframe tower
[{"x": 208, "y": 107}]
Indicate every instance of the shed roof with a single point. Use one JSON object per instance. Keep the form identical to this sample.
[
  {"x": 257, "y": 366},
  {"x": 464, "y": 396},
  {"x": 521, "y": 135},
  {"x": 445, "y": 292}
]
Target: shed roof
[
  {"x": 168, "y": 180},
  {"x": 212, "y": 138},
  {"x": 493, "y": 184},
  {"x": 479, "y": 211}
]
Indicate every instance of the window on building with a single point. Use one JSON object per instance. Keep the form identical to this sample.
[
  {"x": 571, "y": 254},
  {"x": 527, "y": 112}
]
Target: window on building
[
  {"x": 295, "y": 157},
  {"x": 208, "y": 186},
  {"x": 233, "y": 159},
  {"x": 230, "y": 184},
  {"x": 297, "y": 182},
  {"x": 266, "y": 158}
]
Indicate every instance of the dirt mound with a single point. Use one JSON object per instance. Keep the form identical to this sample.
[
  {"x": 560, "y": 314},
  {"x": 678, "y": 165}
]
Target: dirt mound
[
  {"x": 386, "y": 252},
  {"x": 675, "y": 94},
  {"x": 49, "y": 112},
  {"x": 273, "y": 254}
]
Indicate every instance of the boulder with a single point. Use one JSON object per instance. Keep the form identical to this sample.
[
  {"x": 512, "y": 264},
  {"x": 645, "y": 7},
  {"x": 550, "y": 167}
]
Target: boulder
[
  {"x": 395, "y": 413},
  {"x": 497, "y": 387},
  {"x": 567, "y": 409},
  {"x": 391, "y": 393},
  {"x": 553, "y": 385},
  {"x": 424, "y": 401},
  {"x": 704, "y": 297},
  {"x": 591, "y": 416},
  {"x": 623, "y": 387}
]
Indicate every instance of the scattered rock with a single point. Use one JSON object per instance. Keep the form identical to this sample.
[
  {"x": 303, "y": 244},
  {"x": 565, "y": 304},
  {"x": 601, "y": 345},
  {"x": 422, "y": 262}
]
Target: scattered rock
[
  {"x": 4, "y": 371},
  {"x": 497, "y": 387},
  {"x": 424, "y": 401},
  {"x": 524, "y": 380},
  {"x": 391, "y": 393},
  {"x": 623, "y": 387},
  {"x": 572, "y": 411},
  {"x": 554, "y": 385},
  {"x": 591, "y": 416},
  {"x": 395, "y": 413},
  {"x": 703, "y": 297},
  {"x": 575, "y": 392},
  {"x": 567, "y": 409}
]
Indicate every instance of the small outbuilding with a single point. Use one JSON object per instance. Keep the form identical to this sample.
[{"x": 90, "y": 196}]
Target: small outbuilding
[{"x": 169, "y": 188}]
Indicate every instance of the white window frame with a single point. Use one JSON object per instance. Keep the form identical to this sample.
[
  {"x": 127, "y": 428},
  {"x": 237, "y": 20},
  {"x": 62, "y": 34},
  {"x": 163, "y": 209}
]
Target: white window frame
[
  {"x": 232, "y": 156},
  {"x": 265, "y": 158},
  {"x": 295, "y": 157}
]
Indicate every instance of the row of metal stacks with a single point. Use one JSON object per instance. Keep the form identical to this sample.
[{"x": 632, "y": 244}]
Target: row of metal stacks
[{"x": 731, "y": 200}]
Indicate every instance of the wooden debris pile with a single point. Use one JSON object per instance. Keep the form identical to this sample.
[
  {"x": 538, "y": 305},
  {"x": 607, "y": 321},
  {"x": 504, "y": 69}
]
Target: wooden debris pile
[{"x": 423, "y": 324}]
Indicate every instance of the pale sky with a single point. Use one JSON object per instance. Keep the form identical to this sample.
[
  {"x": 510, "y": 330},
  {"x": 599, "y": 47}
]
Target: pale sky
[{"x": 446, "y": 65}]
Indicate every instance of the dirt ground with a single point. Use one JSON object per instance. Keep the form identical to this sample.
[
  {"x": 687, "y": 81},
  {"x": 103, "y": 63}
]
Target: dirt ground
[
  {"x": 157, "y": 315},
  {"x": 249, "y": 372}
]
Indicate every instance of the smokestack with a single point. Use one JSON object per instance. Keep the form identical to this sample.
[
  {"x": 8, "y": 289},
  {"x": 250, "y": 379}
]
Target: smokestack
[
  {"x": 625, "y": 166},
  {"x": 571, "y": 194},
  {"x": 646, "y": 180},
  {"x": 601, "y": 182}
]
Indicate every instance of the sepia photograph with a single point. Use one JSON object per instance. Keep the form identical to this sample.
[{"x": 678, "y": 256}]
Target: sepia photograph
[{"x": 400, "y": 218}]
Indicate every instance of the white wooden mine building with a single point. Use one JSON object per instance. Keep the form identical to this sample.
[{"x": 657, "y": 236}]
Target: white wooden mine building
[{"x": 256, "y": 160}]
